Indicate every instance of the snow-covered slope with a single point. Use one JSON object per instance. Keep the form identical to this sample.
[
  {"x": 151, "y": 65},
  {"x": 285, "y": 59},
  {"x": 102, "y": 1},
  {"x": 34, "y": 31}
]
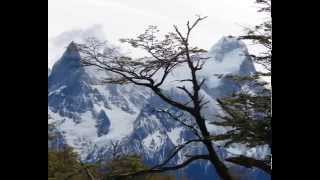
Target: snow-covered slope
[
  {"x": 86, "y": 112},
  {"x": 90, "y": 115}
]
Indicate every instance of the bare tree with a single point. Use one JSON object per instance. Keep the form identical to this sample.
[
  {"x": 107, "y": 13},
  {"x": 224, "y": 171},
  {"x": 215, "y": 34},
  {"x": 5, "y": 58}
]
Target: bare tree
[
  {"x": 115, "y": 149},
  {"x": 152, "y": 72}
]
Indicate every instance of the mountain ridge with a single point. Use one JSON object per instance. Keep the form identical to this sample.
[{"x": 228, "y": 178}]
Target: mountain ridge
[{"x": 90, "y": 115}]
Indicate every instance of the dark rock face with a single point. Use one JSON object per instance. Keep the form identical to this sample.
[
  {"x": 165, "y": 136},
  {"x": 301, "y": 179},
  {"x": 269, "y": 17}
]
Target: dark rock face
[
  {"x": 67, "y": 85},
  {"x": 103, "y": 124},
  {"x": 225, "y": 47}
]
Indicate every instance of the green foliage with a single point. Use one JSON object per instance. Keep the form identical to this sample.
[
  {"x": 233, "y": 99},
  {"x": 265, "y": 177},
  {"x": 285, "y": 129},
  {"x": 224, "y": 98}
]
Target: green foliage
[
  {"x": 250, "y": 118},
  {"x": 65, "y": 164},
  {"x": 62, "y": 163},
  {"x": 262, "y": 35},
  {"x": 160, "y": 177},
  {"x": 124, "y": 165},
  {"x": 249, "y": 115},
  {"x": 121, "y": 168}
]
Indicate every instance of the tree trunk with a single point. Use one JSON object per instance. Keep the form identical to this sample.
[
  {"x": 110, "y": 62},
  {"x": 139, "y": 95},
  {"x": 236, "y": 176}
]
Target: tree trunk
[{"x": 219, "y": 166}]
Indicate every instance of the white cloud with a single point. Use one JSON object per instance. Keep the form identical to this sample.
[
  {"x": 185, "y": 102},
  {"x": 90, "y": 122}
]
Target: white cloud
[
  {"x": 127, "y": 18},
  {"x": 57, "y": 45}
]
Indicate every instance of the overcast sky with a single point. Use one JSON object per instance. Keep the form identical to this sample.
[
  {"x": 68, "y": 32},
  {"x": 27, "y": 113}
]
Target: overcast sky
[{"x": 128, "y": 18}]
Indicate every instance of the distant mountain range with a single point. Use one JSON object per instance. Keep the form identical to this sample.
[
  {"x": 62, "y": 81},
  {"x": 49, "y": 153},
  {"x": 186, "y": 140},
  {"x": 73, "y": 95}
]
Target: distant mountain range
[{"x": 89, "y": 115}]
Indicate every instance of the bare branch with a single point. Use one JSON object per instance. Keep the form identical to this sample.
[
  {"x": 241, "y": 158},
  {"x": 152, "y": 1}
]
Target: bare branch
[
  {"x": 165, "y": 54},
  {"x": 184, "y": 89},
  {"x": 116, "y": 149},
  {"x": 204, "y": 103},
  {"x": 170, "y": 168},
  {"x": 192, "y": 128},
  {"x": 202, "y": 82},
  {"x": 175, "y": 151},
  {"x": 250, "y": 162}
]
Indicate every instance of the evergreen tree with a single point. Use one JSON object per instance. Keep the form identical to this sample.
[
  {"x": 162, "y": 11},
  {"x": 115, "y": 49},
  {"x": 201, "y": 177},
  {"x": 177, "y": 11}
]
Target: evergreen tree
[
  {"x": 249, "y": 113},
  {"x": 62, "y": 164}
]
